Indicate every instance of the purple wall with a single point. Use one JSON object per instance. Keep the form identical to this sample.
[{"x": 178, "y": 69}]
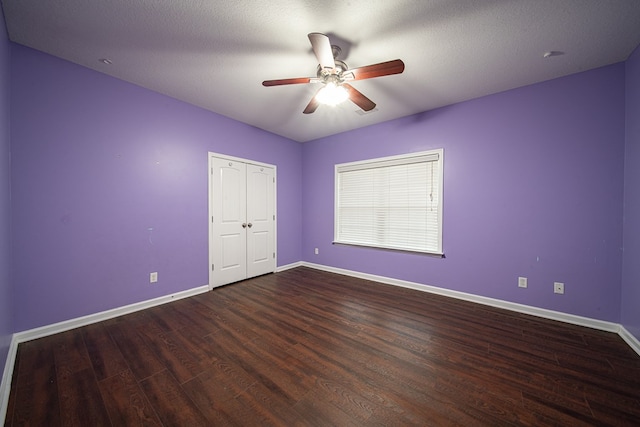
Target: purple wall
[
  {"x": 6, "y": 306},
  {"x": 631, "y": 267},
  {"x": 110, "y": 183},
  {"x": 533, "y": 187}
]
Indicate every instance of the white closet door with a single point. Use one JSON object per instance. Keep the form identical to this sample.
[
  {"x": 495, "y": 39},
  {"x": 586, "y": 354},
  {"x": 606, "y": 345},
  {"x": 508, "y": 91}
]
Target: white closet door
[
  {"x": 260, "y": 220},
  {"x": 229, "y": 221},
  {"x": 242, "y": 206}
]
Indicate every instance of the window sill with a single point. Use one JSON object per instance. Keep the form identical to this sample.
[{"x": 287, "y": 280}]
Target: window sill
[{"x": 391, "y": 248}]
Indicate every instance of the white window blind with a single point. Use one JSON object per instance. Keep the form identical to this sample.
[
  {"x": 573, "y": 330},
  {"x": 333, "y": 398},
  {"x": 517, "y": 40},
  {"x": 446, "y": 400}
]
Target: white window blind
[{"x": 392, "y": 202}]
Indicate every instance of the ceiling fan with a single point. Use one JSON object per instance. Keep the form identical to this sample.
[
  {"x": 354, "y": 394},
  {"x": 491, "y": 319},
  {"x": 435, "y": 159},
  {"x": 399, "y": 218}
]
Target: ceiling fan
[{"x": 335, "y": 75}]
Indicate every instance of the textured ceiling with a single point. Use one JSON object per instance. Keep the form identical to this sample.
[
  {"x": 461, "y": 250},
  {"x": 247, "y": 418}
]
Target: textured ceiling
[{"x": 215, "y": 53}]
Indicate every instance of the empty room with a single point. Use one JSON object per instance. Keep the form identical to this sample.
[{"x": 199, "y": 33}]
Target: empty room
[{"x": 320, "y": 213}]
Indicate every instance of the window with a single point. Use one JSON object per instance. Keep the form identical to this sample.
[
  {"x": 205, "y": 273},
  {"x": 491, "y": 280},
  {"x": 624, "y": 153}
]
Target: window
[{"x": 391, "y": 202}]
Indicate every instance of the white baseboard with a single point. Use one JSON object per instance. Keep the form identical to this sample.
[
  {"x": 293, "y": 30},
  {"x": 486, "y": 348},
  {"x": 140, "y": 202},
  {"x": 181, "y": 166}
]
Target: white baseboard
[
  {"x": 5, "y": 385},
  {"x": 520, "y": 308},
  {"x": 66, "y": 325},
  {"x": 289, "y": 266},
  {"x": 32, "y": 334},
  {"x": 629, "y": 339}
]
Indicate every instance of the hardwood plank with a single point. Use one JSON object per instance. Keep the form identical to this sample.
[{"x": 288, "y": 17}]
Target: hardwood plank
[
  {"x": 214, "y": 392},
  {"x": 272, "y": 376},
  {"x": 180, "y": 360},
  {"x": 80, "y": 401},
  {"x": 125, "y": 401},
  {"x": 551, "y": 412},
  {"x": 141, "y": 359},
  {"x": 70, "y": 353},
  {"x": 170, "y": 401},
  {"x": 171, "y": 318},
  {"x": 345, "y": 398},
  {"x": 306, "y": 347},
  {"x": 616, "y": 411},
  {"x": 374, "y": 389},
  {"x": 223, "y": 381},
  {"x": 105, "y": 356},
  {"x": 196, "y": 323},
  {"x": 36, "y": 389},
  {"x": 320, "y": 412},
  {"x": 232, "y": 319},
  {"x": 262, "y": 407}
]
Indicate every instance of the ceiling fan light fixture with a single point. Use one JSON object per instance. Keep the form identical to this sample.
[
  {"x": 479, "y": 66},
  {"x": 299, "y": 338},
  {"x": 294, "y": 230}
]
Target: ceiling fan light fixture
[
  {"x": 335, "y": 75},
  {"x": 332, "y": 94}
]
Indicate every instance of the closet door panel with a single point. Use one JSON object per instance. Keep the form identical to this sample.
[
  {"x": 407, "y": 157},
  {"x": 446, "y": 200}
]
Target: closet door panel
[
  {"x": 261, "y": 216},
  {"x": 229, "y": 214}
]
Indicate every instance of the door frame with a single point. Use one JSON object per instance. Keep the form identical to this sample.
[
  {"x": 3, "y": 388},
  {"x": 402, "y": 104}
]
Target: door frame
[{"x": 210, "y": 156}]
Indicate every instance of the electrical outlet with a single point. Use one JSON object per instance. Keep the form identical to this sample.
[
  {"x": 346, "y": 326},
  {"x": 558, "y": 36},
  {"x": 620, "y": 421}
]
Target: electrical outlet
[
  {"x": 315, "y": 251},
  {"x": 153, "y": 277},
  {"x": 558, "y": 288},
  {"x": 522, "y": 282}
]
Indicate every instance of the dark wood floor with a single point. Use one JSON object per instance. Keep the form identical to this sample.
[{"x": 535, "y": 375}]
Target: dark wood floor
[{"x": 305, "y": 347}]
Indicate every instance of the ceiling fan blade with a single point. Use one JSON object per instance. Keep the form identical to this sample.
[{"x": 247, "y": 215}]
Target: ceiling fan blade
[
  {"x": 322, "y": 48},
  {"x": 376, "y": 70},
  {"x": 358, "y": 98},
  {"x": 293, "y": 81},
  {"x": 311, "y": 106}
]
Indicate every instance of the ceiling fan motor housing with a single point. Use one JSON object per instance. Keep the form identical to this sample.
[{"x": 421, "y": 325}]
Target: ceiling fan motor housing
[{"x": 340, "y": 68}]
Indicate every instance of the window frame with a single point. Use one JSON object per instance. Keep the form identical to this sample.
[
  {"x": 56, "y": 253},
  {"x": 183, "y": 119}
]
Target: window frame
[{"x": 436, "y": 155}]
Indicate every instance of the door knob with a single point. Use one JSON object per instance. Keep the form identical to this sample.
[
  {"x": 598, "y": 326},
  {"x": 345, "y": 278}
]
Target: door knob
[
  {"x": 244, "y": 225},
  {"x": 250, "y": 225}
]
